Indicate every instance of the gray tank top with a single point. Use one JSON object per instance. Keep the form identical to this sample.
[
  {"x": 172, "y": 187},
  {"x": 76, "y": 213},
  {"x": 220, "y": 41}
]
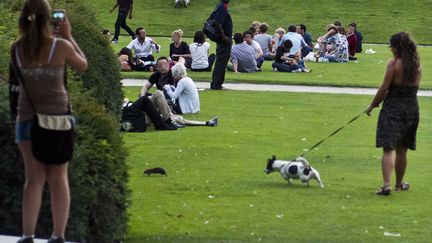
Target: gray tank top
[{"x": 45, "y": 86}]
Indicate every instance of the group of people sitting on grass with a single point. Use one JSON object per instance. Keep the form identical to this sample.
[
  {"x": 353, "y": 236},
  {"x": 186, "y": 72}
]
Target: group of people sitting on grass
[
  {"x": 287, "y": 49},
  {"x": 195, "y": 55},
  {"x": 175, "y": 94}
]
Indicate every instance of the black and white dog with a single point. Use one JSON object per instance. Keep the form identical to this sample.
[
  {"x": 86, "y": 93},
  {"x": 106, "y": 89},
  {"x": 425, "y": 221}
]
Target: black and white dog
[{"x": 295, "y": 169}]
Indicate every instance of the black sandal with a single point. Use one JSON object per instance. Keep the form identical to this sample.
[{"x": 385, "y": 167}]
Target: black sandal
[
  {"x": 404, "y": 186},
  {"x": 384, "y": 191}
]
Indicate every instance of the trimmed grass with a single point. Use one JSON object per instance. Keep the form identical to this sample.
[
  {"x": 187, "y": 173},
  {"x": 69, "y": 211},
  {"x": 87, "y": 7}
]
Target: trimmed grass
[
  {"x": 377, "y": 20},
  {"x": 216, "y": 189},
  {"x": 367, "y": 72}
]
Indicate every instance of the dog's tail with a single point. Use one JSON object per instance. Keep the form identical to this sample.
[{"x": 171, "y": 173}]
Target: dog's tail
[{"x": 303, "y": 161}]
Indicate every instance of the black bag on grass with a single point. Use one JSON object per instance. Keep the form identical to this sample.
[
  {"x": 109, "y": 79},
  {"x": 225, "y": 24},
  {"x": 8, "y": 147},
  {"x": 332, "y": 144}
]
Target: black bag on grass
[{"x": 133, "y": 120}]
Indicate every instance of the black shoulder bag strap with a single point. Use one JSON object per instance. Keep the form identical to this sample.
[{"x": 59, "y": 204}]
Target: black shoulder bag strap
[{"x": 14, "y": 89}]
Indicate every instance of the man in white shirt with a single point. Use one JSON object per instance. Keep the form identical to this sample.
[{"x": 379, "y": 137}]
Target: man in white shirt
[
  {"x": 143, "y": 46},
  {"x": 248, "y": 39},
  {"x": 296, "y": 39}
]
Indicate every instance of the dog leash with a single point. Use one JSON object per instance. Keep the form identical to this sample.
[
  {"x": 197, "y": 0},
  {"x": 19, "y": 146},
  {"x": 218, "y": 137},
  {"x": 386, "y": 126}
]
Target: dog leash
[{"x": 331, "y": 135}]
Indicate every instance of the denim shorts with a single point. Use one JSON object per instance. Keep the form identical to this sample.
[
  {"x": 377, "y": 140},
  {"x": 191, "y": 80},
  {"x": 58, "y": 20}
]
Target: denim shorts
[{"x": 23, "y": 131}]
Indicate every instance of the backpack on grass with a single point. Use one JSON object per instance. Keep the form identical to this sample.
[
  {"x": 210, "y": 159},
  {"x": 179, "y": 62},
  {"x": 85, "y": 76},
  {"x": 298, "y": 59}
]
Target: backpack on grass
[{"x": 132, "y": 120}]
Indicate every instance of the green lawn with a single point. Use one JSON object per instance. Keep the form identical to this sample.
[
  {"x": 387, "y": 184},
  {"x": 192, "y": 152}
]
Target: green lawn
[
  {"x": 216, "y": 189},
  {"x": 376, "y": 19},
  {"x": 367, "y": 72}
]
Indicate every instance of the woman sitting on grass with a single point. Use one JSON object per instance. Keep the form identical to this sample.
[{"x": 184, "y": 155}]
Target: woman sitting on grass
[
  {"x": 126, "y": 60},
  {"x": 335, "y": 38},
  {"x": 399, "y": 117},
  {"x": 201, "y": 61},
  {"x": 179, "y": 48},
  {"x": 185, "y": 91},
  {"x": 288, "y": 63}
]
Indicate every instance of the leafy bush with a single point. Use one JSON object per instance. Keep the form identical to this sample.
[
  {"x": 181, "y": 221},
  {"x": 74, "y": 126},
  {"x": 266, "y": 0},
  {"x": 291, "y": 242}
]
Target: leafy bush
[
  {"x": 98, "y": 172},
  {"x": 98, "y": 176},
  {"x": 103, "y": 77}
]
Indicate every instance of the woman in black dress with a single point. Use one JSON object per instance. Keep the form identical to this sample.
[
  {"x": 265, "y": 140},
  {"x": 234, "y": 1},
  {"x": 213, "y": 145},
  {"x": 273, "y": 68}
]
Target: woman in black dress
[{"x": 399, "y": 117}]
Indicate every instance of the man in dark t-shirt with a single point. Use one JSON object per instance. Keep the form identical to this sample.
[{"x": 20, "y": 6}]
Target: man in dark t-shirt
[
  {"x": 181, "y": 51},
  {"x": 124, "y": 8},
  {"x": 161, "y": 77}
]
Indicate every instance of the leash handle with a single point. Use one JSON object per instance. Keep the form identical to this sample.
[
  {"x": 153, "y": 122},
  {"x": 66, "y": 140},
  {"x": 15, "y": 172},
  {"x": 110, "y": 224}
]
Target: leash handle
[{"x": 332, "y": 134}]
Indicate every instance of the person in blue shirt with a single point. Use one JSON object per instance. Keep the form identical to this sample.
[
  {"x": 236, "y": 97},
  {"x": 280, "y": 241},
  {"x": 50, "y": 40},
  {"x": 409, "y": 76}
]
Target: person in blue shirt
[{"x": 224, "y": 26}]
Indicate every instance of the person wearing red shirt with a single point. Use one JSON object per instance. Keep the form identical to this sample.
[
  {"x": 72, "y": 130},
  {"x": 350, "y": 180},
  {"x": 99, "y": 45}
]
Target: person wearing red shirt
[{"x": 352, "y": 41}]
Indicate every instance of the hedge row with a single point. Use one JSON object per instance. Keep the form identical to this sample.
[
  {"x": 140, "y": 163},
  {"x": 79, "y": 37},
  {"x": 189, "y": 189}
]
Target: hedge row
[{"x": 98, "y": 172}]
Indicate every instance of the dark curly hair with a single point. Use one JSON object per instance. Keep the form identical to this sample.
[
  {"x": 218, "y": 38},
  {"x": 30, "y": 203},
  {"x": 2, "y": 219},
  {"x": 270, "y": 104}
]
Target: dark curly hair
[{"x": 406, "y": 49}]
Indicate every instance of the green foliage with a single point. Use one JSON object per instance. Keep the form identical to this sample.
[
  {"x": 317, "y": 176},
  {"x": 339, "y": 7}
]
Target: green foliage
[
  {"x": 10, "y": 205},
  {"x": 10, "y": 162},
  {"x": 7, "y": 35},
  {"x": 102, "y": 77},
  {"x": 98, "y": 176}
]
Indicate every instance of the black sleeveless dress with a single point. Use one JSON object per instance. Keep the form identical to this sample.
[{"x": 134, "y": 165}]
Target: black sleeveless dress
[{"x": 399, "y": 118}]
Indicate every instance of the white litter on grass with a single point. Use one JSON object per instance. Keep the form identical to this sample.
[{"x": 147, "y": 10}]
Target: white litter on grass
[
  {"x": 207, "y": 221},
  {"x": 251, "y": 205},
  {"x": 370, "y": 51},
  {"x": 381, "y": 227},
  {"x": 211, "y": 196},
  {"x": 279, "y": 216},
  {"x": 392, "y": 234},
  {"x": 303, "y": 139}
]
